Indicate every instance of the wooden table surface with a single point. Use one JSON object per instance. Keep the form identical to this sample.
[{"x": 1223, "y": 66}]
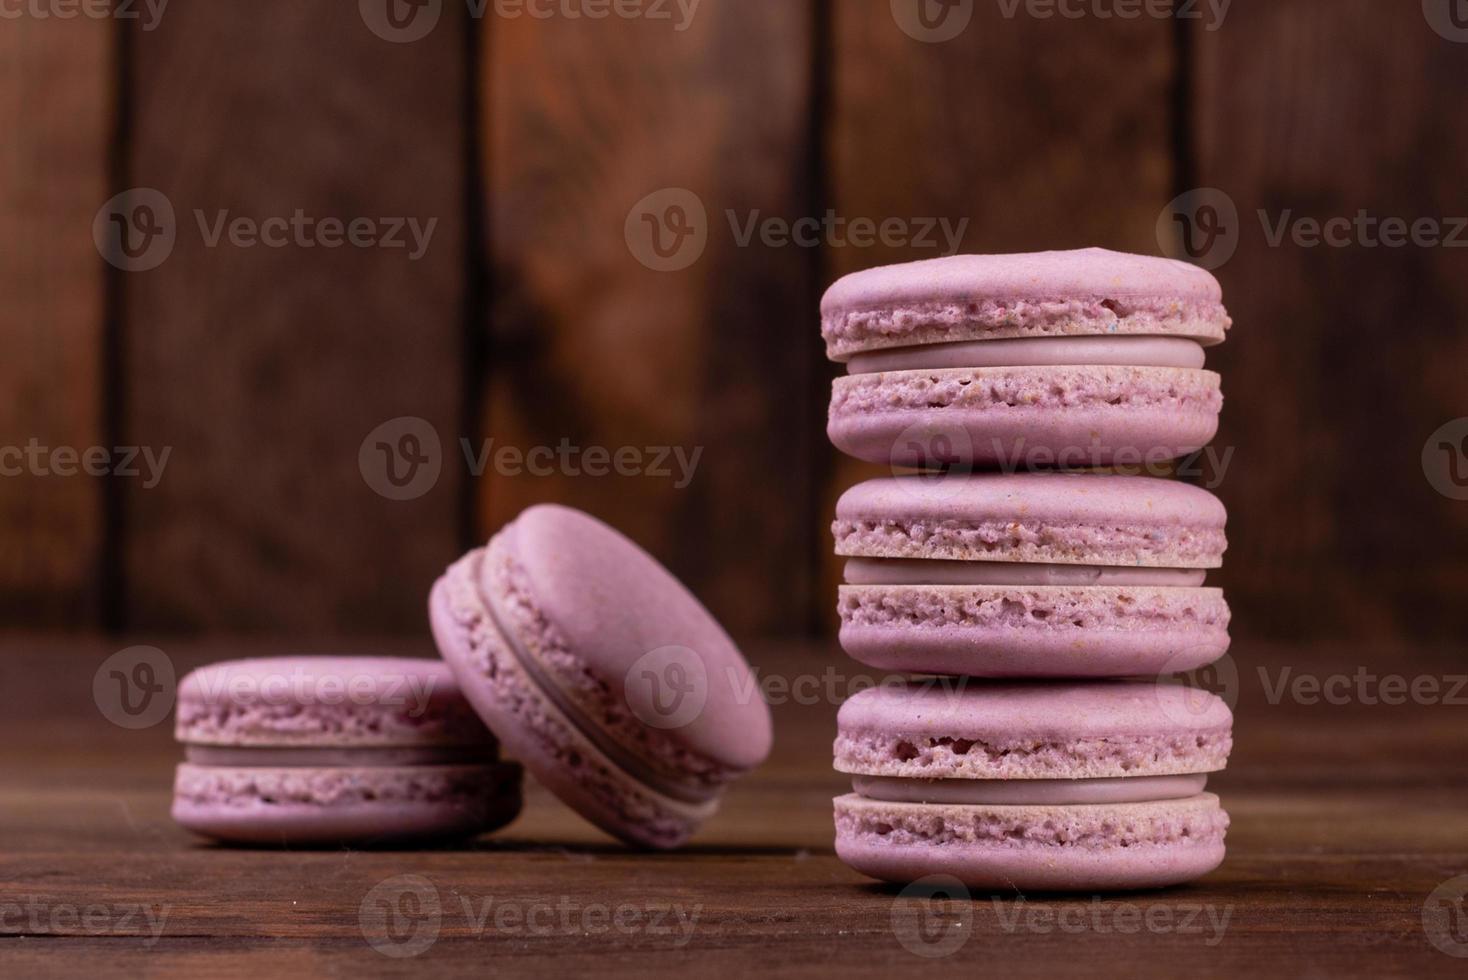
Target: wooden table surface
[{"x": 1346, "y": 817}]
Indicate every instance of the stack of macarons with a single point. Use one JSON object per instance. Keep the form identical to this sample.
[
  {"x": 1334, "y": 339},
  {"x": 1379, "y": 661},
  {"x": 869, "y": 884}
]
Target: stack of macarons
[
  {"x": 328, "y": 750},
  {"x": 1039, "y": 597},
  {"x": 563, "y": 643}
]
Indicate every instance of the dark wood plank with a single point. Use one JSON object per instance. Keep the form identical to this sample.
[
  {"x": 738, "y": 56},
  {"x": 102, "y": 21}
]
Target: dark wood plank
[
  {"x": 586, "y": 119},
  {"x": 55, "y": 114},
  {"x": 1344, "y": 360},
  {"x": 1345, "y": 819},
  {"x": 266, "y": 368},
  {"x": 1039, "y": 134}
]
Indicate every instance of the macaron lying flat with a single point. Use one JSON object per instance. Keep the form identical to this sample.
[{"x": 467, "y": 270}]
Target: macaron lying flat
[
  {"x": 335, "y": 750},
  {"x": 601, "y": 673},
  {"x": 1054, "y": 787},
  {"x": 1031, "y": 575},
  {"x": 1075, "y": 358}
]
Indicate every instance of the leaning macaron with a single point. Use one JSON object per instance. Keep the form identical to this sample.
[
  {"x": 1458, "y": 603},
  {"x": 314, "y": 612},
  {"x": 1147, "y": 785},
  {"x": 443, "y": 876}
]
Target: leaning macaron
[
  {"x": 601, "y": 673},
  {"x": 1031, "y": 575},
  {"x": 335, "y": 750},
  {"x": 1055, "y": 787},
  {"x": 1074, "y": 358}
]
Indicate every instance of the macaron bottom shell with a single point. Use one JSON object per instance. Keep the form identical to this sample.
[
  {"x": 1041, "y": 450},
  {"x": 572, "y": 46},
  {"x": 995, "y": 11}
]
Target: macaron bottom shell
[
  {"x": 1025, "y": 417},
  {"x": 534, "y": 730},
  {"x": 334, "y": 806},
  {"x": 1033, "y": 631},
  {"x": 1084, "y": 847}
]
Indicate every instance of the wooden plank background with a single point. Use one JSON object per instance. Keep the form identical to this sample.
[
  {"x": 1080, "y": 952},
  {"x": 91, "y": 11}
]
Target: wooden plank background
[
  {"x": 266, "y": 368},
  {"x": 1358, "y": 354},
  {"x": 542, "y": 146},
  {"x": 56, "y": 115}
]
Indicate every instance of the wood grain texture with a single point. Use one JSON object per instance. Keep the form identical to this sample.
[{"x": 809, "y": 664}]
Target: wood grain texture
[
  {"x": 1345, "y": 819},
  {"x": 56, "y": 116},
  {"x": 1344, "y": 360},
  {"x": 265, "y": 368},
  {"x": 592, "y": 349},
  {"x": 1039, "y": 134}
]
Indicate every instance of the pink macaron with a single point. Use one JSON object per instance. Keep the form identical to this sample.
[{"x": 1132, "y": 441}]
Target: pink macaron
[
  {"x": 335, "y": 750},
  {"x": 1031, "y": 575},
  {"x": 1054, "y": 787},
  {"x": 1079, "y": 358},
  {"x": 601, "y": 673}
]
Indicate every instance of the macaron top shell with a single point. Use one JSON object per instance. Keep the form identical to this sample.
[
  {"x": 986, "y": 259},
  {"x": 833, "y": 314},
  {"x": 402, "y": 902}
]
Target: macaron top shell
[
  {"x": 1038, "y": 730},
  {"x": 1062, "y": 518},
  {"x": 326, "y": 701},
  {"x": 976, "y": 297},
  {"x": 616, "y": 629}
]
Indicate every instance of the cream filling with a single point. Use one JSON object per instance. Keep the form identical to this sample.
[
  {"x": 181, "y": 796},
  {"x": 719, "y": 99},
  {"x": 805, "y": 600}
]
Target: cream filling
[
  {"x": 928, "y": 571},
  {"x": 1171, "y": 352},
  {"x": 615, "y": 752},
  {"x": 1030, "y": 792},
  {"x": 281, "y": 756}
]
